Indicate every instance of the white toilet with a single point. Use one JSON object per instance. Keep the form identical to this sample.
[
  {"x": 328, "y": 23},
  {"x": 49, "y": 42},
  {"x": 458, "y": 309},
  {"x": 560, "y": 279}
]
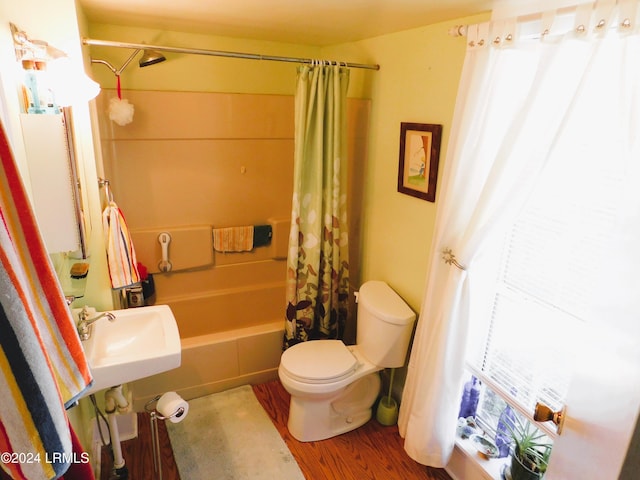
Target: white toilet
[{"x": 334, "y": 386}]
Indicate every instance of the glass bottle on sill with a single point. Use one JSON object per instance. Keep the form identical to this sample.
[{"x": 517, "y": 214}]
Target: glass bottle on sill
[
  {"x": 503, "y": 432},
  {"x": 470, "y": 397}
]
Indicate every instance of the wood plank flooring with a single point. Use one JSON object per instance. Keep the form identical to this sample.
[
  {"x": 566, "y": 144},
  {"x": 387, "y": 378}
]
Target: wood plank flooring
[{"x": 370, "y": 452}]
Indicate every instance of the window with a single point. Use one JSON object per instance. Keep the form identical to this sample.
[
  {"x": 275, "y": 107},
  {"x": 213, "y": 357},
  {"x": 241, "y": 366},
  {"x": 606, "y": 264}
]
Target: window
[
  {"x": 541, "y": 208},
  {"x": 538, "y": 283},
  {"x": 490, "y": 408}
]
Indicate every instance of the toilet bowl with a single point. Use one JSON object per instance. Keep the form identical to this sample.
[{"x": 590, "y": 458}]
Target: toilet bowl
[
  {"x": 333, "y": 386},
  {"x": 333, "y": 398}
]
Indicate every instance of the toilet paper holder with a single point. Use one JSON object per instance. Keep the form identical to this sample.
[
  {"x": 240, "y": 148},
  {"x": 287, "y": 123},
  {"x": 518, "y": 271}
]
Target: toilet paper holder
[
  {"x": 155, "y": 439},
  {"x": 152, "y": 411}
]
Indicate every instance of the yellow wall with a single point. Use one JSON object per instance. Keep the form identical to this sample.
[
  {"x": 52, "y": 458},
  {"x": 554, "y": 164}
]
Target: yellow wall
[{"x": 417, "y": 82}]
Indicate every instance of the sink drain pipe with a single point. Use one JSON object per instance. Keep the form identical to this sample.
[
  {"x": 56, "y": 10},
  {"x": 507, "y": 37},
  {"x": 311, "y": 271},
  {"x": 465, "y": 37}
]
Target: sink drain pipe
[{"x": 115, "y": 400}]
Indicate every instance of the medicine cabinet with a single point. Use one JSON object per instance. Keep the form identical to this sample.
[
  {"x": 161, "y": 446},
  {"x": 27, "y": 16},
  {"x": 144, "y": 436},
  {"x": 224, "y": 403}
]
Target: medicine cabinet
[{"x": 55, "y": 184}]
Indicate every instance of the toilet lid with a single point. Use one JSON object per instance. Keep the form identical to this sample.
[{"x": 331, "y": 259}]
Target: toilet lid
[{"x": 318, "y": 361}]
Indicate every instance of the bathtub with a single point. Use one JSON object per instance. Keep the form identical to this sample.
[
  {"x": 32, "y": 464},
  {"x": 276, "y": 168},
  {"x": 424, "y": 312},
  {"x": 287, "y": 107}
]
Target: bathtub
[
  {"x": 216, "y": 362},
  {"x": 229, "y": 337}
]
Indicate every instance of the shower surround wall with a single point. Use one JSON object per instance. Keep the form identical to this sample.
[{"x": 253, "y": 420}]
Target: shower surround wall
[{"x": 190, "y": 162}]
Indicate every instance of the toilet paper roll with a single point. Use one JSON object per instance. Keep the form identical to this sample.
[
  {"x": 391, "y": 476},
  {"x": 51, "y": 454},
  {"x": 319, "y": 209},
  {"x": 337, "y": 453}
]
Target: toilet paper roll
[{"x": 169, "y": 405}]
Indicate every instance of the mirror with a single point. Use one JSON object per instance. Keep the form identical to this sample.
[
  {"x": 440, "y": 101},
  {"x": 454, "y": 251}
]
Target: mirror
[
  {"x": 81, "y": 223},
  {"x": 54, "y": 181}
]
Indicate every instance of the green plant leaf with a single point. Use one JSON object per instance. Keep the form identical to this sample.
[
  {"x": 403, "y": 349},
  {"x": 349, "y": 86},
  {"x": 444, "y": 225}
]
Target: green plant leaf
[{"x": 531, "y": 446}]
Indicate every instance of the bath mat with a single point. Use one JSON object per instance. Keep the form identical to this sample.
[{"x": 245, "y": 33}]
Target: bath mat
[{"x": 229, "y": 436}]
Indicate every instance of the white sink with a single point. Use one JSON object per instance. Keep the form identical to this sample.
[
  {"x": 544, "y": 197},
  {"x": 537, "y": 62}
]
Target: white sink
[{"x": 140, "y": 342}]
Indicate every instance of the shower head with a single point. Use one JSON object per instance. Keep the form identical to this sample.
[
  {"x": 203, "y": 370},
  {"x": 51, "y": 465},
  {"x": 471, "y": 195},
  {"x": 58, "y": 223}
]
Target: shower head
[{"x": 150, "y": 57}]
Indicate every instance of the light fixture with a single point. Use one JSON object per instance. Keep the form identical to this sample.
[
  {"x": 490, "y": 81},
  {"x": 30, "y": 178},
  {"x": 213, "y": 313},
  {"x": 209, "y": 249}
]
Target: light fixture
[{"x": 68, "y": 83}]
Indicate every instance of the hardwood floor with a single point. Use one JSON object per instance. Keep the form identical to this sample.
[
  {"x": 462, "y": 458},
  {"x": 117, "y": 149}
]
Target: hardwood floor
[{"x": 370, "y": 452}]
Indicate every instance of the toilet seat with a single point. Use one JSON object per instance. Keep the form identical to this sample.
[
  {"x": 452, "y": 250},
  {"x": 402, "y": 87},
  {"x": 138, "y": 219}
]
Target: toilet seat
[{"x": 319, "y": 361}]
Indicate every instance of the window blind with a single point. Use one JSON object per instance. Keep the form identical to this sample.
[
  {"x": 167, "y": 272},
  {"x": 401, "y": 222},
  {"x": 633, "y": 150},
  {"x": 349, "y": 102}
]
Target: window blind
[{"x": 547, "y": 280}]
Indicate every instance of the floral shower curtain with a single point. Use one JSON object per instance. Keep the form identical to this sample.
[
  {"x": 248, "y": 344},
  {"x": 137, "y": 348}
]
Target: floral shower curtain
[{"x": 318, "y": 263}]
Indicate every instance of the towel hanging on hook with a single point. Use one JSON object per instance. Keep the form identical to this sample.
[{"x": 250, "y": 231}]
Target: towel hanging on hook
[{"x": 121, "y": 254}]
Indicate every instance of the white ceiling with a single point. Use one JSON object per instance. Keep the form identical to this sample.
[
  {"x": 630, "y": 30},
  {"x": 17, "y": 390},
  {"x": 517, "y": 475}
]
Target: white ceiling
[{"x": 309, "y": 22}]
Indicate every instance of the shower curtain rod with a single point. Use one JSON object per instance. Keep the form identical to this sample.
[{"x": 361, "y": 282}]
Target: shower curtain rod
[{"x": 218, "y": 53}]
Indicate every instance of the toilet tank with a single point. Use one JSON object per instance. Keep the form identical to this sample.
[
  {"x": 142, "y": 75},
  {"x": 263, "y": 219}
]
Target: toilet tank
[{"x": 385, "y": 324}]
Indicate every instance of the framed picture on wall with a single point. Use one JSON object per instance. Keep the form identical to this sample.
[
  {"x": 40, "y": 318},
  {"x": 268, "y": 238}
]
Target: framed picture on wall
[{"x": 419, "y": 157}]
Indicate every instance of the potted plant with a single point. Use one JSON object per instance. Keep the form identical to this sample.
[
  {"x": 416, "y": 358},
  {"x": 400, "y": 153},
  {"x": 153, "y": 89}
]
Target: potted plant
[{"x": 530, "y": 453}]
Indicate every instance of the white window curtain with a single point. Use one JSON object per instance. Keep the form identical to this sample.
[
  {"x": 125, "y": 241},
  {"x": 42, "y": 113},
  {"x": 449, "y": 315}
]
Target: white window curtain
[{"x": 523, "y": 104}]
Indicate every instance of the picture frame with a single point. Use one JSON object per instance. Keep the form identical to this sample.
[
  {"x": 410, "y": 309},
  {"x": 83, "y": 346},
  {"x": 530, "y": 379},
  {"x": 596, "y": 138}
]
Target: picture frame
[{"x": 419, "y": 159}]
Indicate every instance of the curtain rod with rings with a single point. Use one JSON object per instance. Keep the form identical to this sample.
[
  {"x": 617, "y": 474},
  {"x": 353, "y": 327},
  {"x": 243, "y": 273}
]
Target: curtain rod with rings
[
  {"x": 218, "y": 53},
  {"x": 564, "y": 19}
]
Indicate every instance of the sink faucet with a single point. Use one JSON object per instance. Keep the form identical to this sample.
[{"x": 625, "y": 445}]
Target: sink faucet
[{"x": 85, "y": 322}]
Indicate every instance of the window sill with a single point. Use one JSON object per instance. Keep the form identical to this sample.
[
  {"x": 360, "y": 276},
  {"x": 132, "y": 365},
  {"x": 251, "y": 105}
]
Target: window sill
[{"x": 467, "y": 464}]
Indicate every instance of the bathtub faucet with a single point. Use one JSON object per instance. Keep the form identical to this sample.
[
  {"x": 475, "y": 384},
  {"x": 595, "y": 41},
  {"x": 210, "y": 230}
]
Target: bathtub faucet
[{"x": 85, "y": 322}]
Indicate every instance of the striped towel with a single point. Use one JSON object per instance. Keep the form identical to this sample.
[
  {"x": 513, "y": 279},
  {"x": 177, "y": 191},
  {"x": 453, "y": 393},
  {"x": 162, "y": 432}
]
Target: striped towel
[
  {"x": 43, "y": 368},
  {"x": 121, "y": 256},
  {"x": 233, "y": 239}
]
